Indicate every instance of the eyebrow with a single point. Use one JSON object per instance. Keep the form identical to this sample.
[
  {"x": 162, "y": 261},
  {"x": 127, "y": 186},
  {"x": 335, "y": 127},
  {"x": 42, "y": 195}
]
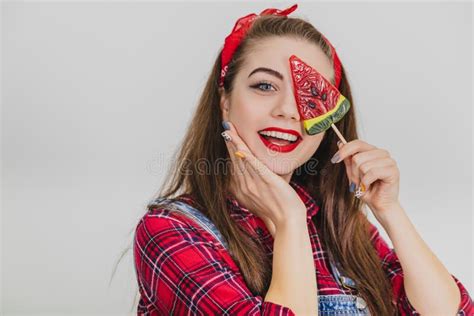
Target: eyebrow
[{"x": 268, "y": 71}]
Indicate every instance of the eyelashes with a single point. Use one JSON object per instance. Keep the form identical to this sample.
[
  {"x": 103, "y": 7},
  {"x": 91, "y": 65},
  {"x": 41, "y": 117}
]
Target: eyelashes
[{"x": 264, "y": 84}]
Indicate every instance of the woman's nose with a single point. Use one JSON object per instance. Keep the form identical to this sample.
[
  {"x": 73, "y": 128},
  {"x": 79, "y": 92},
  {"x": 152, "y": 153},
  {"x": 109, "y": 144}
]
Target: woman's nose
[{"x": 286, "y": 107}]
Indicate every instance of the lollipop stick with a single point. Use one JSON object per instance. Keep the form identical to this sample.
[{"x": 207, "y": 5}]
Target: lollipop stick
[{"x": 343, "y": 140}]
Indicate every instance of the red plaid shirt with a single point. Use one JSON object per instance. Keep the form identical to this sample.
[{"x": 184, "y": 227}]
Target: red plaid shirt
[{"x": 181, "y": 269}]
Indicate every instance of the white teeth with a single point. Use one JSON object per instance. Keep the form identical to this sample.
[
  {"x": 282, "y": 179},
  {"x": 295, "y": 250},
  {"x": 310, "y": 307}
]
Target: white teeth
[{"x": 285, "y": 136}]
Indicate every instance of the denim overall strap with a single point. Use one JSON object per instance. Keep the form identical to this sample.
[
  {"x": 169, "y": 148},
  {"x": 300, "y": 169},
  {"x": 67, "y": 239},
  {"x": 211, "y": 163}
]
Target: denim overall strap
[
  {"x": 342, "y": 280},
  {"x": 197, "y": 216},
  {"x": 348, "y": 283}
]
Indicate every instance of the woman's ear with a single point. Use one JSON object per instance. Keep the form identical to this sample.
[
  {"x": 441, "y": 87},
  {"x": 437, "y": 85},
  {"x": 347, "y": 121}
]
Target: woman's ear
[{"x": 224, "y": 103}]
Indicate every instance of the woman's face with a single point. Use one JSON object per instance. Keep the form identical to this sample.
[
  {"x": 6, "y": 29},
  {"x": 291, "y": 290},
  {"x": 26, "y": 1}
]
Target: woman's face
[{"x": 265, "y": 99}]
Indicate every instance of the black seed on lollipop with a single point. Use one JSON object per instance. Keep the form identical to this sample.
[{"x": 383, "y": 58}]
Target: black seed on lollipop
[
  {"x": 311, "y": 104},
  {"x": 324, "y": 97},
  {"x": 314, "y": 92}
]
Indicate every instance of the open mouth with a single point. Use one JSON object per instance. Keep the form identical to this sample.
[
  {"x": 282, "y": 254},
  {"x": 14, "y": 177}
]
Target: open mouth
[{"x": 280, "y": 142}]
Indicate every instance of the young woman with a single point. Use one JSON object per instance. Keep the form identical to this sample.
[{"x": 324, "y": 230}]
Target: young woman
[{"x": 252, "y": 221}]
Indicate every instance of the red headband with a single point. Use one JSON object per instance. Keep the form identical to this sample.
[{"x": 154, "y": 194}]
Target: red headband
[{"x": 232, "y": 41}]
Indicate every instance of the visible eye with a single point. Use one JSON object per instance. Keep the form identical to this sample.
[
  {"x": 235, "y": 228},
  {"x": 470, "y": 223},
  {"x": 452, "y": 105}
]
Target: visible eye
[{"x": 262, "y": 84}]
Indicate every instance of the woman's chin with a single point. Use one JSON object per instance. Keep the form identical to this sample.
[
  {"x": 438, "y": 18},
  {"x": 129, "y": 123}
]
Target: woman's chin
[
  {"x": 280, "y": 166},
  {"x": 275, "y": 161}
]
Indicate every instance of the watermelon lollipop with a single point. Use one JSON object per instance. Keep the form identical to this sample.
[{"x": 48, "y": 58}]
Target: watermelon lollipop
[{"x": 319, "y": 102}]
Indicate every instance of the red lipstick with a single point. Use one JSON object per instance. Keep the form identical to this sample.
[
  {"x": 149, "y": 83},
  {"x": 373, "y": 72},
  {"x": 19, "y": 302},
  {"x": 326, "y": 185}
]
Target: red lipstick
[{"x": 281, "y": 148}]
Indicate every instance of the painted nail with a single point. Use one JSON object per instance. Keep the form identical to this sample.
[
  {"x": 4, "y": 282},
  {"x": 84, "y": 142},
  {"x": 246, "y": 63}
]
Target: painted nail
[
  {"x": 226, "y": 136},
  {"x": 362, "y": 187},
  {"x": 335, "y": 158},
  {"x": 352, "y": 187},
  {"x": 225, "y": 125},
  {"x": 240, "y": 154},
  {"x": 339, "y": 143},
  {"x": 358, "y": 193}
]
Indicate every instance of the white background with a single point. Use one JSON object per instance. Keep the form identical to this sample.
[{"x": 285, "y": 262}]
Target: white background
[{"x": 96, "y": 97}]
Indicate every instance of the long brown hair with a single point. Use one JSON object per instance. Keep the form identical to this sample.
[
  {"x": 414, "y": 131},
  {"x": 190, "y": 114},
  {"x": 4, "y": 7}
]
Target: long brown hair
[{"x": 342, "y": 225}]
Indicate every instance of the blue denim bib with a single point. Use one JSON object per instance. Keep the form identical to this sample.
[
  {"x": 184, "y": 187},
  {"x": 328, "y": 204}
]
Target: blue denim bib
[{"x": 329, "y": 305}]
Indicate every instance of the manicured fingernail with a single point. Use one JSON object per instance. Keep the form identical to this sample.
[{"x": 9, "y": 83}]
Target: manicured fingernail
[
  {"x": 240, "y": 154},
  {"x": 225, "y": 125},
  {"x": 226, "y": 136},
  {"x": 335, "y": 158},
  {"x": 358, "y": 193},
  {"x": 352, "y": 187},
  {"x": 339, "y": 143},
  {"x": 362, "y": 187}
]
